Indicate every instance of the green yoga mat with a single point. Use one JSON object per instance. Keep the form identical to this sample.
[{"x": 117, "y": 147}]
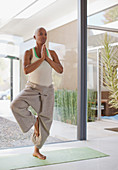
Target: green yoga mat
[{"x": 17, "y": 161}]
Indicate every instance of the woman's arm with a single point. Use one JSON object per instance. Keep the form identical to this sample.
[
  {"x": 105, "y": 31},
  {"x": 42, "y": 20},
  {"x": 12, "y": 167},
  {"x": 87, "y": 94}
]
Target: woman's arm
[
  {"x": 28, "y": 67},
  {"x": 55, "y": 63}
]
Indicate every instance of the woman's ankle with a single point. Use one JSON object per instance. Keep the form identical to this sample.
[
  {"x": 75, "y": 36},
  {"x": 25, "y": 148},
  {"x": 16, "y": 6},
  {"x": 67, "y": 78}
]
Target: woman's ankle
[{"x": 36, "y": 149}]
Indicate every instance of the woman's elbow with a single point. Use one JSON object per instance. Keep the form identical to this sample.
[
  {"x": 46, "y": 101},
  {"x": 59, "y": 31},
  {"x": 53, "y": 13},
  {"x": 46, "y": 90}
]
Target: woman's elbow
[
  {"x": 61, "y": 70},
  {"x": 25, "y": 71}
]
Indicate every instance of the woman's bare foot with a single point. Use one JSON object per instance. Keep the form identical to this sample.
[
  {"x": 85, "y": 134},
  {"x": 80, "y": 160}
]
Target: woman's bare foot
[
  {"x": 38, "y": 154},
  {"x": 36, "y": 128}
]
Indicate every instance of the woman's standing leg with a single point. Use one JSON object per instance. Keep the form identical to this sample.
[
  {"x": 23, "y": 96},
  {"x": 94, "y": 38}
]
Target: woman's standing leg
[
  {"x": 45, "y": 121},
  {"x": 19, "y": 106}
]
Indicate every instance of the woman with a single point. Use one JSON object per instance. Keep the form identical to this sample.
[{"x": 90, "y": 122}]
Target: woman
[{"x": 38, "y": 92}]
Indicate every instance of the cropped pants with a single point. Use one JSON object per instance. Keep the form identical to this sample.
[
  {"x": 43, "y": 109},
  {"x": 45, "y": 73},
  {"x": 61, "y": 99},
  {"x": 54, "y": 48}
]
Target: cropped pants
[{"x": 41, "y": 99}]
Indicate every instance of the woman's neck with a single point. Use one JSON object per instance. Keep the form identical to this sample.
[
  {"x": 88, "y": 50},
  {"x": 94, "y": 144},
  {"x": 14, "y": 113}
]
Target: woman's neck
[
  {"x": 38, "y": 50},
  {"x": 38, "y": 47}
]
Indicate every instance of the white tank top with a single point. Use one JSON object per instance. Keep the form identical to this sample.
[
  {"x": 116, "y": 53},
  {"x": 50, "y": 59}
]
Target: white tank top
[{"x": 43, "y": 74}]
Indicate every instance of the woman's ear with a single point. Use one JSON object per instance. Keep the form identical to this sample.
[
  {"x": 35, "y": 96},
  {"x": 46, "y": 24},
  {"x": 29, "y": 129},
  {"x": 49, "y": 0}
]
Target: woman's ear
[{"x": 34, "y": 37}]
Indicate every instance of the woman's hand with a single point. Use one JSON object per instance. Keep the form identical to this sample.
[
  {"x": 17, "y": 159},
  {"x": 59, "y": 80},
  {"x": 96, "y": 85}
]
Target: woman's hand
[{"x": 43, "y": 52}]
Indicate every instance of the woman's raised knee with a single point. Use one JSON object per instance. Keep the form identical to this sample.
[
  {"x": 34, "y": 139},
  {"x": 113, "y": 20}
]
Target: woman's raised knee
[
  {"x": 18, "y": 104},
  {"x": 14, "y": 104}
]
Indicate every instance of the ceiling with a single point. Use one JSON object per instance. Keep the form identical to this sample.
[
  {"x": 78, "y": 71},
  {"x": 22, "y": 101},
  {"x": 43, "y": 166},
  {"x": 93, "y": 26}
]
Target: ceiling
[
  {"x": 55, "y": 15},
  {"x": 47, "y": 17}
]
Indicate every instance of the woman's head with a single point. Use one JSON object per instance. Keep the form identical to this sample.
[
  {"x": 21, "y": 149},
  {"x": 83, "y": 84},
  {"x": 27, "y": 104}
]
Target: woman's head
[{"x": 40, "y": 35}]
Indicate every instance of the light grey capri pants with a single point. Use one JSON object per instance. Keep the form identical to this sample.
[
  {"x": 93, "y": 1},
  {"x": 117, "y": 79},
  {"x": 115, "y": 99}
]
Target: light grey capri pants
[{"x": 41, "y": 99}]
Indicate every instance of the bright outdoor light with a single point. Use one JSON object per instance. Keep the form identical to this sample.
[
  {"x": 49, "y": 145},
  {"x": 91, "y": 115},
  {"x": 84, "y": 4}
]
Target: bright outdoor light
[{"x": 9, "y": 49}]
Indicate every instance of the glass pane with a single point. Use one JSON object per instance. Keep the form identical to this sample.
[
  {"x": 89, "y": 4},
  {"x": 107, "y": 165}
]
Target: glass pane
[
  {"x": 95, "y": 38},
  {"x": 107, "y": 18},
  {"x": 16, "y": 77},
  {"x": 64, "y": 41},
  {"x": 102, "y": 46},
  {"x": 109, "y": 95},
  {"x": 92, "y": 85},
  {"x": 9, "y": 86},
  {"x": 5, "y": 92}
]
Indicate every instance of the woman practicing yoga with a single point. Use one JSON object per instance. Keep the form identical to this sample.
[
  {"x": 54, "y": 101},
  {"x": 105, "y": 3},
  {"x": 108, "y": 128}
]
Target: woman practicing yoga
[{"x": 38, "y": 92}]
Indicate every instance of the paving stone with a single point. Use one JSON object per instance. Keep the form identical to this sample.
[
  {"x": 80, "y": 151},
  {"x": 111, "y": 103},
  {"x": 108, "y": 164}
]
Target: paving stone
[{"x": 12, "y": 136}]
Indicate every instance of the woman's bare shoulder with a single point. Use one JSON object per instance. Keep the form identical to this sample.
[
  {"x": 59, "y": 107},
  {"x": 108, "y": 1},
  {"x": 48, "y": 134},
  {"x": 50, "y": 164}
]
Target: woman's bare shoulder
[{"x": 28, "y": 53}]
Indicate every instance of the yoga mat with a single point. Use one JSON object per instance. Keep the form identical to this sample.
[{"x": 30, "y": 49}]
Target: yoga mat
[{"x": 26, "y": 160}]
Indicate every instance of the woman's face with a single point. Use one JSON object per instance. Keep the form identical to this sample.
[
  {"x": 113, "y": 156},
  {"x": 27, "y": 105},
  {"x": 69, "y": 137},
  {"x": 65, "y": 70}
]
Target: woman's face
[{"x": 41, "y": 36}]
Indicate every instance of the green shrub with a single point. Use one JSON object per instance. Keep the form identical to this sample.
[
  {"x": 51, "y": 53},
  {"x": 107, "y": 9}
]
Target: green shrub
[
  {"x": 91, "y": 103},
  {"x": 65, "y": 107}
]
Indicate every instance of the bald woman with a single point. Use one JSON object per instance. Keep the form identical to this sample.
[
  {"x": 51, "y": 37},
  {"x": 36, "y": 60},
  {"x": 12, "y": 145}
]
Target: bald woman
[{"x": 38, "y": 91}]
